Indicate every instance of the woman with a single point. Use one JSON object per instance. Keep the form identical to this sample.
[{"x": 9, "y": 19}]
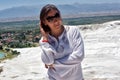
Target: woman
[{"x": 62, "y": 46}]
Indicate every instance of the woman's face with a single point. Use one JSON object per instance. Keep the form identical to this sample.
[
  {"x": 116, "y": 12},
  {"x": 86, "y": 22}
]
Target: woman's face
[{"x": 53, "y": 20}]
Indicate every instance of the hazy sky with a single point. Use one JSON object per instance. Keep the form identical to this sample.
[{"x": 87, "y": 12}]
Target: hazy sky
[{"x": 13, "y": 3}]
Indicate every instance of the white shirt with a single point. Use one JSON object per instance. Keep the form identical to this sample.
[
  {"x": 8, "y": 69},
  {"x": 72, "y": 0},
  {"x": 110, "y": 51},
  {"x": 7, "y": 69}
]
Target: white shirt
[{"x": 66, "y": 54}]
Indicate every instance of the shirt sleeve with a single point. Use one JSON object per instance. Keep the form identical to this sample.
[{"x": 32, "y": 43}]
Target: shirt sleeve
[
  {"x": 77, "y": 44},
  {"x": 47, "y": 53}
]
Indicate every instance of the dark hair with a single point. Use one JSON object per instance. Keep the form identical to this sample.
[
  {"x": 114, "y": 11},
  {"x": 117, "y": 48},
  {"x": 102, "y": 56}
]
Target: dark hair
[{"x": 46, "y": 9}]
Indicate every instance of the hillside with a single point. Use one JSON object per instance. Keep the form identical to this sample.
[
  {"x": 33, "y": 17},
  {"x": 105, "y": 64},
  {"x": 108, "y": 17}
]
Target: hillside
[{"x": 73, "y": 10}]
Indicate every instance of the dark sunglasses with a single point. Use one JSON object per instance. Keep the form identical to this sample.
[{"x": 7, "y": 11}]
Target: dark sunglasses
[{"x": 51, "y": 18}]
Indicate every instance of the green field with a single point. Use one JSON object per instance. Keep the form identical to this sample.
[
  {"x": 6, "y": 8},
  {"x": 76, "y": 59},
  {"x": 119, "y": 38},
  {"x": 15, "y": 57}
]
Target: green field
[
  {"x": 34, "y": 24},
  {"x": 90, "y": 20}
]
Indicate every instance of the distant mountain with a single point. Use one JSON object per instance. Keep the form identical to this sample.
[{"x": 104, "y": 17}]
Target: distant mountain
[
  {"x": 66, "y": 10},
  {"x": 23, "y": 11}
]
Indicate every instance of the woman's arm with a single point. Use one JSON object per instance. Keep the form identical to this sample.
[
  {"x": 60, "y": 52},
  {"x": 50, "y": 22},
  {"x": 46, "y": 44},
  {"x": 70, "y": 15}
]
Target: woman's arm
[
  {"x": 47, "y": 51},
  {"x": 77, "y": 46}
]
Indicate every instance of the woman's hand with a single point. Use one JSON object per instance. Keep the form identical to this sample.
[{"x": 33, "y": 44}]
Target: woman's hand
[{"x": 49, "y": 66}]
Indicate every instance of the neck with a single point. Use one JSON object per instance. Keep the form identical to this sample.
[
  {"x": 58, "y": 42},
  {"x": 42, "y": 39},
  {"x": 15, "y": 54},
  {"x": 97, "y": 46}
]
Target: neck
[{"x": 57, "y": 33}]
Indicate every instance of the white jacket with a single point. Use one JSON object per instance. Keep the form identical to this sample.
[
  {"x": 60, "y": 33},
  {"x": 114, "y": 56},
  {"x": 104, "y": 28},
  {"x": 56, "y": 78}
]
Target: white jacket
[{"x": 66, "y": 54}]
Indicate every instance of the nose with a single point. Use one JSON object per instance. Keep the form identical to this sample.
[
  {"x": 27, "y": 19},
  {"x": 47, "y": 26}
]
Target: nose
[{"x": 55, "y": 20}]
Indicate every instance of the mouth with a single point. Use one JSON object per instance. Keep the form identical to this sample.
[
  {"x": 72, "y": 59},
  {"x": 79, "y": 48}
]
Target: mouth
[{"x": 58, "y": 26}]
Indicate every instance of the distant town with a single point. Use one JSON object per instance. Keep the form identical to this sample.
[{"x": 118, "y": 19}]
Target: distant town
[{"x": 17, "y": 35}]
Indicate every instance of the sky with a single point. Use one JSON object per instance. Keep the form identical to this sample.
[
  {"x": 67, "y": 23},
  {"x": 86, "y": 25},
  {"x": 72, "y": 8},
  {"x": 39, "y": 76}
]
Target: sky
[{"x": 4, "y": 4}]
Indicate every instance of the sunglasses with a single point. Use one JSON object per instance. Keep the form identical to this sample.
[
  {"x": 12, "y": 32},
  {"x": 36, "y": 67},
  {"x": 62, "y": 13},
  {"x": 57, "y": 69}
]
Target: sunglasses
[{"x": 51, "y": 18}]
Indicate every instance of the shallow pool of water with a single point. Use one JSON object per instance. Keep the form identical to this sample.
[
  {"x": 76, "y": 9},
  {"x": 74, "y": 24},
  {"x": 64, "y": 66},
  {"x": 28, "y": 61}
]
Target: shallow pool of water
[{"x": 2, "y": 55}]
